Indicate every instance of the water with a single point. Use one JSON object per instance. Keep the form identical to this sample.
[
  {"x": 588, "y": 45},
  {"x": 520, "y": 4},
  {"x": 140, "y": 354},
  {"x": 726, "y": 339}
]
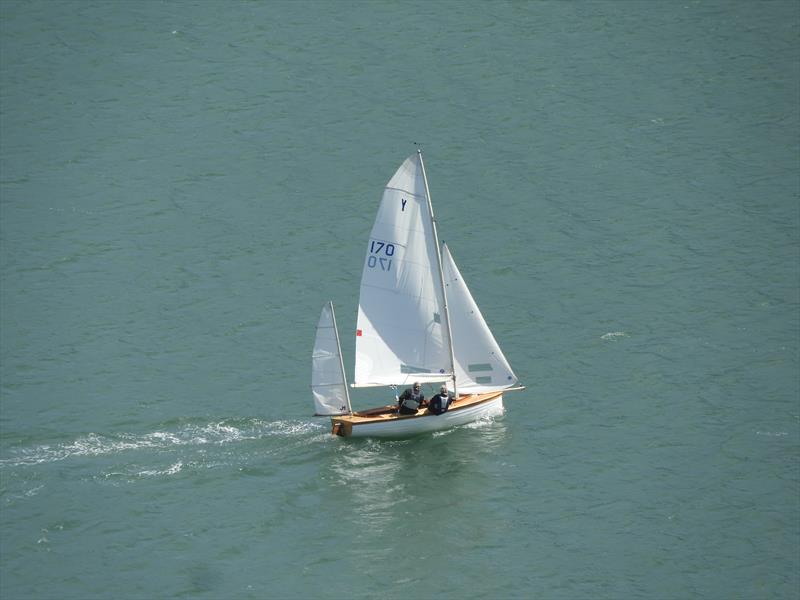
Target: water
[{"x": 183, "y": 185}]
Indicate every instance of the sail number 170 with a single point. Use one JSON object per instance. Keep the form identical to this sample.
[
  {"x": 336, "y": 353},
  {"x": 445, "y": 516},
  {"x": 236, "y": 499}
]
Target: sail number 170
[{"x": 380, "y": 254}]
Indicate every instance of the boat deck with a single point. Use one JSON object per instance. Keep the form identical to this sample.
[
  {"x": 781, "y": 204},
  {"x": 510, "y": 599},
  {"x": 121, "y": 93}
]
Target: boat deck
[{"x": 342, "y": 425}]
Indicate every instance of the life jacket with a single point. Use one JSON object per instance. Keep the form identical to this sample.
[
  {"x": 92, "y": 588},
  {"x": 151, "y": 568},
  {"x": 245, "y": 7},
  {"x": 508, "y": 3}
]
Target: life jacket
[
  {"x": 412, "y": 401},
  {"x": 438, "y": 404}
]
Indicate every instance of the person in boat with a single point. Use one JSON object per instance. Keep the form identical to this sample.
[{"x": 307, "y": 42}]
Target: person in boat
[
  {"x": 440, "y": 402},
  {"x": 411, "y": 400}
]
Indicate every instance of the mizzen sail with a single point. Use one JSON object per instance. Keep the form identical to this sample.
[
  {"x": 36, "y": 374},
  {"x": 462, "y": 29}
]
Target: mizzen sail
[{"x": 328, "y": 384}]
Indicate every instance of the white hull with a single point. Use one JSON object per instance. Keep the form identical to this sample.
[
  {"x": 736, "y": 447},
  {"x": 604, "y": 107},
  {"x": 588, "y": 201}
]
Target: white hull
[{"x": 400, "y": 426}]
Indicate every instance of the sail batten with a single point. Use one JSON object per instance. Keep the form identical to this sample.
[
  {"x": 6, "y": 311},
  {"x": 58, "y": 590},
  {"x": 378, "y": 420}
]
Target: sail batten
[{"x": 423, "y": 378}]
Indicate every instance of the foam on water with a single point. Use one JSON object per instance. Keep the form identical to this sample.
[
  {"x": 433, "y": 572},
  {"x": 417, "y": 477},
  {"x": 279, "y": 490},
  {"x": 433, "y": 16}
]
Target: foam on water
[
  {"x": 613, "y": 335},
  {"x": 216, "y": 433},
  {"x": 171, "y": 470}
]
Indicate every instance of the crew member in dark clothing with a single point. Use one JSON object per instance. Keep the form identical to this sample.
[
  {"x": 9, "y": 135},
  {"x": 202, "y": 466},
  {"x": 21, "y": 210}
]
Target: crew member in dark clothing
[
  {"x": 440, "y": 402},
  {"x": 411, "y": 400}
]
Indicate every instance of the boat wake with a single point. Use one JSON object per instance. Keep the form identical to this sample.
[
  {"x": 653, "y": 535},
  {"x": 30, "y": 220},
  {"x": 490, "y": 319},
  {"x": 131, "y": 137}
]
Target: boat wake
[{"x": 214, "y": 434}]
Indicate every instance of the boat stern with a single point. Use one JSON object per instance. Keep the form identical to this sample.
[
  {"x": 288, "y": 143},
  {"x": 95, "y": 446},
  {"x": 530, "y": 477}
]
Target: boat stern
[{"x": 341, "y": 427}]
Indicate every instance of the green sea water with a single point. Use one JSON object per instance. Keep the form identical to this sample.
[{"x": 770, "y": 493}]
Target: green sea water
[{"x": 184, "y": 184}]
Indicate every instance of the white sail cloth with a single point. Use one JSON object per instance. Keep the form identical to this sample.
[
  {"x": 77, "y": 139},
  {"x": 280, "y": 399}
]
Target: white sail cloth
[
  {"x": 480, "y": 364},
  {"x": 402, "y": 328},
  {"x": 400, "y": 334},
  {"x": 328, "y": 384}
]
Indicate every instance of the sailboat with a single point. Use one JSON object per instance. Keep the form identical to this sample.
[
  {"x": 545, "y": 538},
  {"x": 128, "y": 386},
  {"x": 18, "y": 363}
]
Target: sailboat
[{"x": 417, "y": 323}]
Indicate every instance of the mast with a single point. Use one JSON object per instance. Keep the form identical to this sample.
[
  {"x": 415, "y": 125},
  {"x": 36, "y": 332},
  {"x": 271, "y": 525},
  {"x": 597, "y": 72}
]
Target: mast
[
  {"x": 441, "y": 276},
  {"x": 341, "y": 360}
]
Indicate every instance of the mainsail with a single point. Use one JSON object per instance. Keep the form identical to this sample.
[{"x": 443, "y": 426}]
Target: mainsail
[
  {"x": 328, "y": 384},
  {"x": 401, "y": 335},
  {"x": 480, "y": 364}
]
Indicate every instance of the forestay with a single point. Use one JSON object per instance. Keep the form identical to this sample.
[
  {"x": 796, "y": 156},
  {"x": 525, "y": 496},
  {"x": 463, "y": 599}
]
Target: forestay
[
  {"x": 328, "y": 384},
  {"x": 400, "y": 334},
  {"x": 480, "y": 364}
]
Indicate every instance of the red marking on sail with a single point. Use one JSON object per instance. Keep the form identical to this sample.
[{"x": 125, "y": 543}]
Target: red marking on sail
[{"x": 358, "y": 333}]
